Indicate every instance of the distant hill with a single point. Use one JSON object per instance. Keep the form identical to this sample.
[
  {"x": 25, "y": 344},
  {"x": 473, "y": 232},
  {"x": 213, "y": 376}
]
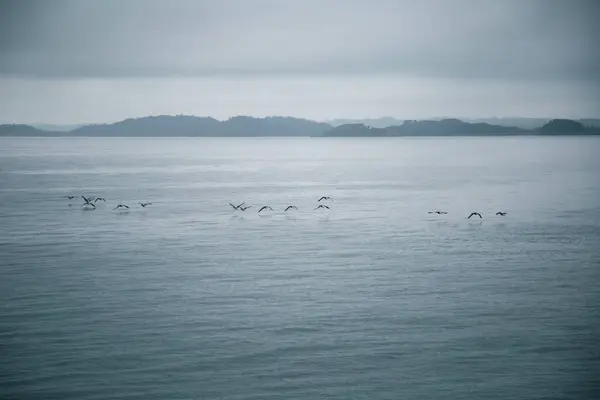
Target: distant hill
[
  {"x": 23, "y": 130},
  {"x": 532, "y": 123},
  {"x": 567, "y": 126},
  {"x": 590, "y": 122},
  {"x": 518, "y": 122},
  {"x": 445, "y": 127},
  {"x": 452, "y": 127},
  {"x": 356, "y": 130},
  {"x": 244, "y": 126},
  {"x": 524, "y": 123},
  {"x": 272, "y": 126},
  {"x": 58, "y": 128},
  {"x": 183, "y": 125},
  {"x": 165, "y": 125},
  {"x": 382, "y": 122}
]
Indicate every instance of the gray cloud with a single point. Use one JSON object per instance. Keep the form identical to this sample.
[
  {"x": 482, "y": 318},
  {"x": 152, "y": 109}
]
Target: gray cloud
[
  {"x": 71, "y": 61},
  {"x": 483, "y": 39}
]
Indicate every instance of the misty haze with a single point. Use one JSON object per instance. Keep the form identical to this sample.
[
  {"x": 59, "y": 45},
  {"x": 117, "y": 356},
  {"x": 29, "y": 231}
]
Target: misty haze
[{"x": 286, "y": 199}]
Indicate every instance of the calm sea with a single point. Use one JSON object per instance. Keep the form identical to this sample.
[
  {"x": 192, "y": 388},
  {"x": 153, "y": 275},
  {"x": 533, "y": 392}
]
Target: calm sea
[{"x": 371, "y": 299}]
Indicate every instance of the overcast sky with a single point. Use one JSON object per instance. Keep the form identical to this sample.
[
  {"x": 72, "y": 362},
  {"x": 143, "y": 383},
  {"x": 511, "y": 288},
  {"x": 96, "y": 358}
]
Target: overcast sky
[{"x": 80, "y": 61}]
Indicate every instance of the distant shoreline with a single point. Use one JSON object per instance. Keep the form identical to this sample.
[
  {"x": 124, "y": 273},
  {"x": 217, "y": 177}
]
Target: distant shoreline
[
  {"x": 296, "y": 136},
  {"x": 242, "y": 126}
]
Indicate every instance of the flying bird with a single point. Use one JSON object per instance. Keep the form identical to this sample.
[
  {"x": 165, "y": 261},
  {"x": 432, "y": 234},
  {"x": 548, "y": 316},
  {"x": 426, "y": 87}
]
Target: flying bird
[
  {"x": 322, "y": 206},
  {"x": 290, "y": 207},
  {"x": 70, "y": 197},
  {"x": 245, "y": 208},
  {"x": 121, "y": 206},
  {"x": 88, "y": 204},
  {"x": 265, "y": 208},
  {"x": 437, "y": 212},
  {"x": 100, "y": 198},
  {"x": 475, "y": 213},
  {"x": 324, "y": 198},
  {"x": 238, "y": 206},
  {"x": 501, "y": 213},
  {"x": 145, "y": 204},
  {"x": 88, "y": 200}
]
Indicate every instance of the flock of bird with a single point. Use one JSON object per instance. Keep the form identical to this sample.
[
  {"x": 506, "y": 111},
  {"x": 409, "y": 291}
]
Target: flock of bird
[
  {"x": 500, "y": 213},
  {"x": 90, "y": 202},
  {"x": 244, "y": 207}
]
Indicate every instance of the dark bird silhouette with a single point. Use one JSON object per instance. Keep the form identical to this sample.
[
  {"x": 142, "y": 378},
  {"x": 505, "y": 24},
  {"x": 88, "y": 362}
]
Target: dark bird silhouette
[
  {"x": 88, "y": 204},
  {"x": 322, "y": 206},
  {"x": 145, "y": 204},
  {"x": 121, "y": 206},
  {"x": 437, "y": 212},
  {"x": 237, "y": 207},
  {"x": 88, "y": 200},
  {"x": 100, "y": 198},
  {"x": 290, "y": 207},
  {"x": 265, "y": 208},
  {"x": 324, "y": 198},
  {"x": 70, "y": 197},
  {"x": 475, "y": 213},
  {"x": 245, "y": 208},
  {"x": 501, "y": 213}
]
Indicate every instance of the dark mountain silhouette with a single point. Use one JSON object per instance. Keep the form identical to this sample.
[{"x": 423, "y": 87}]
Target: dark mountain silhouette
[
  {"x": 519, "y": 122},
  {"x": 382, "y": 122},
  {"x": 452, "y": 127},
  {"x": 561, "y": 127},
  {"x": 55, "y": 127},
  {"x": 590, "y": 122},
  {"x": 244, "y": 126},
  {"x": 524, "y": 123},
  {"x": 445, "y": 127},
  {"x": 164, "y": 125},
  {"x": 272, "y": 126},
  {"x": 356, "y": 130},
  {"x": 24, "y": 130},
  {"x": 182, "y": 125}
]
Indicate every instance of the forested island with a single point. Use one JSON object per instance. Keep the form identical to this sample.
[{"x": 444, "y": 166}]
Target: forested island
[
  {"x": 456, "y": 127},
  {"x": 244, "y": 126}
]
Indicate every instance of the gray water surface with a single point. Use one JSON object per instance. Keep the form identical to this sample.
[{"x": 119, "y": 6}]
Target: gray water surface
[{"x": 372, "y": 299}]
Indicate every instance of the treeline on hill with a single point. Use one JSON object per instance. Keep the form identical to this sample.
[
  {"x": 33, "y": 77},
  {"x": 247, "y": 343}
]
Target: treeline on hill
[{"x": 243, "y": 126}]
